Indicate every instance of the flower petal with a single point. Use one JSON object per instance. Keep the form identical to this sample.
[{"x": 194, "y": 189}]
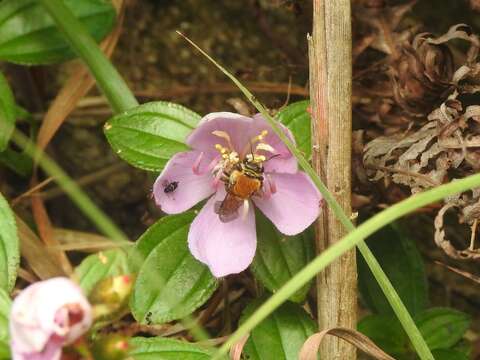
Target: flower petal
[
  {"x": 237, "y": 126},
  {"x": 179, "y": 186},
  {"x": 285, "y": 162},
  {"x": 295, "y": 204},
  {"x": 226, "y": 248},
  {"x": 52, "y": 351}
]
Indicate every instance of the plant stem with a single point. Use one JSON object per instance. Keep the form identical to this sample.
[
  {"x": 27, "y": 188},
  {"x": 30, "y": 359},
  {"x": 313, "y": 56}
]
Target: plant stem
[
  {"x": 84, "y": 203},
  {"x": 120, "y": 98},
  {"x": 109, "y": 81},
  {"x": 349, "y": 241},
  {"x": 321, "y": 261},
  {"x": 330, "y": 64}
]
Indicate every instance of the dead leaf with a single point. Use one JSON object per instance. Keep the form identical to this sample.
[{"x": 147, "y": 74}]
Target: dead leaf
[
  {"x": 459, "y": 31},
  {"x": 70, "y": 240},
  {"x": 440, "y": 236},
  {"x": 43, "y": 262},
  {"x": 237, "y": 349},
  {"x": 311, "y": 346}
]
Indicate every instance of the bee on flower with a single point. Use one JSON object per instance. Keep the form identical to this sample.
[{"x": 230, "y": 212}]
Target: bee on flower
[{"x": 238, "y": 163}]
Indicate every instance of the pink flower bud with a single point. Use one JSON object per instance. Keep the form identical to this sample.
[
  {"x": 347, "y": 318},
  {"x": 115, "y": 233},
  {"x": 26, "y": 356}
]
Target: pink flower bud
[{"x": 47, "y": 316}]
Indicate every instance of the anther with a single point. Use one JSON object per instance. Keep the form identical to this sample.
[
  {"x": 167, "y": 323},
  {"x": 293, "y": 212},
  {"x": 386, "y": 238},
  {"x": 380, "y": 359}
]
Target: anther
[
  {"x": 221, "y": 149},
  {"x": 260, "y": 137},
  {"x": 265, "y": 147}
]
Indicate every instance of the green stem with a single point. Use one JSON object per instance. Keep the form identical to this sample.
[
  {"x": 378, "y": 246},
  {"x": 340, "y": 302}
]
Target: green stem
[
  {"x": 310, "y": 271},
  {"x": 120, "y": 98},
  {"x": 110, "y": 82},
  {"x": 349, "y": 241},
  {"x": 84, "y": 203}
]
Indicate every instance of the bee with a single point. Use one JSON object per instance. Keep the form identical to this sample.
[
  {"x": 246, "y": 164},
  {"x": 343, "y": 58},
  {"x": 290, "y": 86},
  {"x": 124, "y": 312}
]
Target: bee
[
  {"x": 169, "y": 187},
  {"x": 244, "y": 181}
]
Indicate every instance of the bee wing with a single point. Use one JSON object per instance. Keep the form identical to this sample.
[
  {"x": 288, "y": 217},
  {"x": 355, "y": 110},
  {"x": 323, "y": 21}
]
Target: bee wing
[{"x": 227, "y": 209}]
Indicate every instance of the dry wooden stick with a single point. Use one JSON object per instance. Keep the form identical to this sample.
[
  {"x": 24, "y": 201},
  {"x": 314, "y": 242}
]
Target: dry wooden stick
[{"x": 331, "y": 88}]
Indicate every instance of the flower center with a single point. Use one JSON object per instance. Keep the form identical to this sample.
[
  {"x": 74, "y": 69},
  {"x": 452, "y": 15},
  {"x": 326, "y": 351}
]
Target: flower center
[
  {"x": 242, "y": 174},
  {"x": 249, "y": 155}
]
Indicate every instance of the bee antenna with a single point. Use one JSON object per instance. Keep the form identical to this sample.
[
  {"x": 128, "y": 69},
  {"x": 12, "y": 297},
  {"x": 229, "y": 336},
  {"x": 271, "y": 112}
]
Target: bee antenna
[
  {"x": 272, "y": 157},
  {"x": 251, "y": 149}
]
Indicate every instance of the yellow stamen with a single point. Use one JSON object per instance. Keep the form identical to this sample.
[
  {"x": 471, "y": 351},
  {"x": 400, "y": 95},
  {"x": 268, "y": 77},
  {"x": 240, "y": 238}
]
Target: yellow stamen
[
  {"x": 265, "y": 147},
  {"x": 260, "y": 137},
  {"x": 260, "y": 146},
  {"x": 233, "y": 157},
  {"x": 222, "y": 150}
]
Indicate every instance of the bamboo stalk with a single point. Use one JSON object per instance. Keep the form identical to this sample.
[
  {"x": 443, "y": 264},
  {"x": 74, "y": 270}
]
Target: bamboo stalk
[{"x": 331, "y": 89}]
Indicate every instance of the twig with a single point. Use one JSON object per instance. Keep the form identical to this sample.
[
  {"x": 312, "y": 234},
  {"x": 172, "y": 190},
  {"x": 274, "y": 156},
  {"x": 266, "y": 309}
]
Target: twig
[
  {"x": 31, "y": 191},
  {"x": 85, "y": 180},
  {"x": 460, "y": 272},
  {"x": 330, "y": 56}
]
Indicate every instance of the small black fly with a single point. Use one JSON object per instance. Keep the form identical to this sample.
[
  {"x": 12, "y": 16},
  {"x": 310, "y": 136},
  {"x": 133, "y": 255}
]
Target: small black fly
[{"x": 169, "y": 187}]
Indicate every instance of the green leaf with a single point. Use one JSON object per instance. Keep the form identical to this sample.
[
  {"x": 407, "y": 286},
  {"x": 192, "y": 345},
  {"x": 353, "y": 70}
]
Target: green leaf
[
  {"x": 298, "y": 120},
  {"x": 281, "y": 335},
  {"x": 164, "y": 227},
  {"x": 150, "y": 134},
  {"x": 279, "y": 257},
  {"x": 158, "y": 348},
  {"x": 7, "y": 112},
  {"x": 449, "y": 354},
  {"x": 402, "y": 263},
  {"x": 171, "y": 283},
  {"x": 386, "y": 332},
  {"x": 463, "y": 346},
  {"x": 5, "y": 304},
  {"x": 28, "y": 35},
  {"x": 99, "y": 266},
  {"x": 9, "y": 249},
  {"x": 442, "y": 327}
]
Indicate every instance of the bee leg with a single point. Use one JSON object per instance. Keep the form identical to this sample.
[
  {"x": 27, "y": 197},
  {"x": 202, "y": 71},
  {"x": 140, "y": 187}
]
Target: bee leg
[
  {"x": 218, "y": 178},
  {"x": 261, "y": 193},
  {"x": 225, "y": 176}
]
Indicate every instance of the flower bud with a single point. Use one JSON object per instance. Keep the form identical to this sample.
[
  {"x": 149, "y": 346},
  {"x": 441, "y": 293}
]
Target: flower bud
[
  {"x": 110, "y": 296},
  {"x": 46, "y": 316},
  {"x": 111, "y": 347}
]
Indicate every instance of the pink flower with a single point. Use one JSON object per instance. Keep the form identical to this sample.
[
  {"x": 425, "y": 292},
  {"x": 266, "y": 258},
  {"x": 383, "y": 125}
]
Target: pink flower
[
  {"x": 46, "y": 316},
  {"x": 242, "y": 157}
]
